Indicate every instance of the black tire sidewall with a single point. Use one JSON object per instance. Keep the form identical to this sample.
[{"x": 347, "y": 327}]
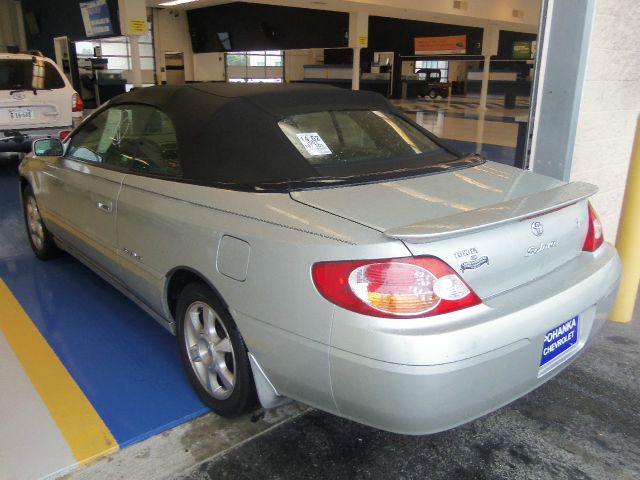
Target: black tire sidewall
[{"x": 243, "y": 396}]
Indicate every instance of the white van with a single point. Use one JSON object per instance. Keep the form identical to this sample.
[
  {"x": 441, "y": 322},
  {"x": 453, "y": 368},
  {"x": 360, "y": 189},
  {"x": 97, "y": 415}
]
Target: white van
[{"x": 36, "y": 101}]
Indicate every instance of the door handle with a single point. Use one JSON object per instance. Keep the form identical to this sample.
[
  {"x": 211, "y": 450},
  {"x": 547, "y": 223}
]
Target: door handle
[{"x": 104, "y": 206}]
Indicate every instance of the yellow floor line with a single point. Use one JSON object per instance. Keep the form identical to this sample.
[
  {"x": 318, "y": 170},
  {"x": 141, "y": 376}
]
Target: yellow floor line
[{"x": 85, "y": 432}]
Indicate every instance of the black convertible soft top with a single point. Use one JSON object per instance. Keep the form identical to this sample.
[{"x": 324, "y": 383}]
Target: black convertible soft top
[{"x": 228, "y": 133}]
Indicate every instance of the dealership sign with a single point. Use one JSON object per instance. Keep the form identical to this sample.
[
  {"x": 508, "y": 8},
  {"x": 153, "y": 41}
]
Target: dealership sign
[
  {"x": 453, "y": 44},
  {"x": 523, "y": 50}
]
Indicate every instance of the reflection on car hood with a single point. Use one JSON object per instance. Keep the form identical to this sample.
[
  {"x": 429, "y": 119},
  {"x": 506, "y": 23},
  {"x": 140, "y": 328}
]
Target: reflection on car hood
[{"x": 396, "y": 203}]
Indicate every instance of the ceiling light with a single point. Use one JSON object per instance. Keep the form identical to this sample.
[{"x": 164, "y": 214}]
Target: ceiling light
[{"x": 176, "y": 2}]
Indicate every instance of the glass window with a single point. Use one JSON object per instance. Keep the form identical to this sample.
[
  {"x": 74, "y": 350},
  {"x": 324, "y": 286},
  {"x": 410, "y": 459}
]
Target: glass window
[
  {"x": 84, "y": 49},
  {"x": 112, "y": 48},
  {"x": 274, "y": 61},
  {"x": 341, "y": 138},
  {"x": 28, "y": 74},
  {"x": 118, "y": 51},
  {"x": 158, "y": 149},
  {"x": 147, "y": 63},
  {"x": 442, "y": 65},
  {"x": 145, "y": 49},
  {"x": 253, "y": 66},
  {"x": 118, "y": 63},
  {"x": 111, "y": 138},
  {"x": 257, "y": 60},
  {"x": 234, "y": 59},
  {"x": 262, "y": 80}
]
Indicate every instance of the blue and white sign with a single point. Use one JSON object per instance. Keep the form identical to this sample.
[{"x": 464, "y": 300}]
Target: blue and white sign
[
  {"x": 559, "y": 340},
  {"x": 95, "y": 15}
]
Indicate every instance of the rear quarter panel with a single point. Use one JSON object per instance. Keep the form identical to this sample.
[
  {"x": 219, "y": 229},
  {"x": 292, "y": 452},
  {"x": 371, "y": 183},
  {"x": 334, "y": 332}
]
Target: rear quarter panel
[{"x": 284, "y": 320}]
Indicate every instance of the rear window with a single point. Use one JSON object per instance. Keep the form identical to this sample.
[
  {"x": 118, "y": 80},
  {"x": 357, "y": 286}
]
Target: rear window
[
  {"x": 360, "y": 142},
  {"x": 29, "y": 74}
]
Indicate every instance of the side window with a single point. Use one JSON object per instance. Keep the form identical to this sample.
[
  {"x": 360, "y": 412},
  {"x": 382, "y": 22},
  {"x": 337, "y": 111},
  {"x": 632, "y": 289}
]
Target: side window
[
  {"x": 158, "y": 150},
  {"x": 112, "y": 137},
  {"x": 52, "y": 78}
]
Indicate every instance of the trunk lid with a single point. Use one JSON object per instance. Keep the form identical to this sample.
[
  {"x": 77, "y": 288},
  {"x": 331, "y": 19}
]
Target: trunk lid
[{"x": 497, "y": 226}]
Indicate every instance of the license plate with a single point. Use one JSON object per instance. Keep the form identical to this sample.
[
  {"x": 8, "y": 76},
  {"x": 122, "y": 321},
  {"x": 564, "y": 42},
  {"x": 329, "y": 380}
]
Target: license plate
[
  {"x": 21, "y": 114},
  {"x": 559, "y": 339}
]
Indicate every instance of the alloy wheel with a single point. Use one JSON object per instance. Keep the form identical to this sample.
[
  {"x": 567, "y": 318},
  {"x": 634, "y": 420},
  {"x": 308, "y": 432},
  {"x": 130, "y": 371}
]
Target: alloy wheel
[
  {"x": 210, "y": 350},
  {"x": 34, "y": 221}
]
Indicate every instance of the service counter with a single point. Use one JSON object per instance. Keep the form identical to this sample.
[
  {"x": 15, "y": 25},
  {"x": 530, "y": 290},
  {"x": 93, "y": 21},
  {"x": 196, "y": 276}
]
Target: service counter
[{"x": 499, "y": 83}]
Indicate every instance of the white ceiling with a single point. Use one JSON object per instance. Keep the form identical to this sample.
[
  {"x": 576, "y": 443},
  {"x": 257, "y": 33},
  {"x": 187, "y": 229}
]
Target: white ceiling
[{"x": 479, "y": 13}]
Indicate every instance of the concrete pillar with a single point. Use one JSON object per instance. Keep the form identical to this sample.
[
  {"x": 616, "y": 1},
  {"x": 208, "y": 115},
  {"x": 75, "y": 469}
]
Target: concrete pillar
[
  {"x": 133, "y": 23},
  {"x": 480, "y": 130},
  {"x": 358, "y": 39},
  {"x": 355, "y": 73},
  {"x": 490, "y": 37},
  {"x": 484, "y": 90},
  {"x": 136, "y": 68}
]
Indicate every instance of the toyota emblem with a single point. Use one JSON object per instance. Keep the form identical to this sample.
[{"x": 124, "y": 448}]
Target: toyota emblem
[{"x": 537, "y": 229}]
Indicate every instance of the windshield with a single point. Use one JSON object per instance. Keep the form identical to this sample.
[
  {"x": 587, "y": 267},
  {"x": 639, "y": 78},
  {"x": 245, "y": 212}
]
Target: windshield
[
  {"x": 361, "y": 142},
  {"x": 29, "y": 74}
]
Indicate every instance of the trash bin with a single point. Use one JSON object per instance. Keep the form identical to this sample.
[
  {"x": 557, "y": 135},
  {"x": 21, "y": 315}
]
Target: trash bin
[{"x": 509, "y": 100}]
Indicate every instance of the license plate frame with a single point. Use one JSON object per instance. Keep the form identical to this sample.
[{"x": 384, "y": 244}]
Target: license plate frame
[
  {"x": 19, "y": 114},
  {"x": 559, "y": 339}
]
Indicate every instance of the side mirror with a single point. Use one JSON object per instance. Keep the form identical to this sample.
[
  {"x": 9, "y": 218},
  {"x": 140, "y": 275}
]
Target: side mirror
[{"x": 51, "y": 147}]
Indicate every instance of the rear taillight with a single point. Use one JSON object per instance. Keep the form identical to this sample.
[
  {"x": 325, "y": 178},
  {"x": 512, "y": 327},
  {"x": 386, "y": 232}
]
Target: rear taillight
[
  {"x": 595, "y": 235},
  {"x": 76, "y": 103},
  {"x": 64, "y": 134},
  {"x": 394, "y": 288}
]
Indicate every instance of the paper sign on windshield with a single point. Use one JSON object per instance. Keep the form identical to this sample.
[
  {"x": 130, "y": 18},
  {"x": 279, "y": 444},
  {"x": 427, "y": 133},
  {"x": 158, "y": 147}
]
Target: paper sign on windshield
[{"x": 313, "y": 143}]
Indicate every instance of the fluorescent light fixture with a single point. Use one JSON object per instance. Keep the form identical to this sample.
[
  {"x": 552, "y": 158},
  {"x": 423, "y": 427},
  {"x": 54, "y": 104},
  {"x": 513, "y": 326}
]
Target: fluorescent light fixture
[{"x": 173, "y": 3}]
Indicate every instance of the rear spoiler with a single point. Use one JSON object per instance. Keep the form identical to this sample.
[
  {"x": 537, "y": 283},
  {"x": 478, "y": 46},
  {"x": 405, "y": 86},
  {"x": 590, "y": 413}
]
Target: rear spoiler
[{"x": 493, "y": 215}]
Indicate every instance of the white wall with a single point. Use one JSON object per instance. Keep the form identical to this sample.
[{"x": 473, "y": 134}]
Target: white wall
[
  {"x": 294, "y": 62},
  {"x": 609, "y": 108},
  {"x": 171, "y": 34},
  {"x": 208, "y": 66}
]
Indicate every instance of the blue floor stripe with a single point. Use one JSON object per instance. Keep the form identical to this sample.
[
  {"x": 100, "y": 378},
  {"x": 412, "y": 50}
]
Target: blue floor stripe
[{"x": 126, "y": 364}]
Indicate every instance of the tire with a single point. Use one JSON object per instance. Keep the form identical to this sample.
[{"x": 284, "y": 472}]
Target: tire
[
  {"x": 42, "y": 243},
  {"x": 213, "y": 352},
  {"x": 433, "y": 94}
]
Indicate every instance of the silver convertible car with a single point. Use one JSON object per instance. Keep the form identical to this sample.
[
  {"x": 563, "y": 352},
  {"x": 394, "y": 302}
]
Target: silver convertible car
[{"x": 311, "y": 243}]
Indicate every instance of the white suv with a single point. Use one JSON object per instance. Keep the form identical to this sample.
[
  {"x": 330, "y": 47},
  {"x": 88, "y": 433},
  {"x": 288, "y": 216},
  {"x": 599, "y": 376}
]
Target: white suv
[{"x": 36, "y": 101}]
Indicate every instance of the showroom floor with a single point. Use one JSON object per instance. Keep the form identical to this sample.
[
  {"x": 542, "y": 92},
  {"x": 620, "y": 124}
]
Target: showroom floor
[{"x": 457, "y": 120}]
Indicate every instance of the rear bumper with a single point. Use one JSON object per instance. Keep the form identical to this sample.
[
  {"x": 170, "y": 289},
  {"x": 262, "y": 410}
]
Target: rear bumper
[
  {"x": 21, "y": 140},
  {"x": 427, "y": 398}
]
